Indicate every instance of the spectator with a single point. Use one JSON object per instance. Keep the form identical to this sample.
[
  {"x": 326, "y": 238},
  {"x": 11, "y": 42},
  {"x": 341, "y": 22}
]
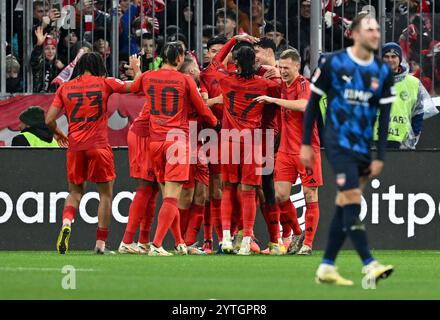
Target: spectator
[
  {"x": 258, "y": 13},
  {"x": 407, "y": 110},
  {"x": 102, "y": 46},
  {"x": 34, "y": 132},
  {"x": 43, "y": 17},
  {"x": 226, "y": 24},
  {"x": 303, "y": 27},
  {"x": 13, "y": 80},
  {"x": 92, "y": 19},
  {"x": 68, "y": 45},
  {"x": 150, "y": 60},
  {"x": 44, "y": 63},
  {"x": 129, "y": 15},
  {"x": 187, "y": 24},
  {"x": 274, "y": 30}
]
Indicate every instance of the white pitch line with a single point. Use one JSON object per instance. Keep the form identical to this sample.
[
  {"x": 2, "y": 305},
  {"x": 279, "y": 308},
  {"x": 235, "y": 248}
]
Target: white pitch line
[{"x": 20, "y": 269}]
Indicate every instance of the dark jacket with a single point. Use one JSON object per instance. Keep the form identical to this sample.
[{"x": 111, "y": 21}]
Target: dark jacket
[
  {"x": 41, "y": 132},
  {"x": 43, "y": 71}
]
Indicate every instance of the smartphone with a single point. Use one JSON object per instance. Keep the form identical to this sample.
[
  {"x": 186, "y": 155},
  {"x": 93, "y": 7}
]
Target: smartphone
[{"x": 56, "y": 5}]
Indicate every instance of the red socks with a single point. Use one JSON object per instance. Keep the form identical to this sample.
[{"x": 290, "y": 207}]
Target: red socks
[
  {"x": 288, "y": 214},
  {"x": 312, "y": 219},
  {"x": 249, "y": 205},
  {"x": 102, "y": 234},
  {"x": 167, "y": 213},
  {"x": 147, "y": 221},
  {"x": 271, "y": 213},
  {"x": 138, "y": 209},
  {"x": 217, "y": 218},
  {"x": 194, "y": 224},
  {"x": 69, "y": 212},
  {"x": 184, "y": 219},
  {"x": 228, "y": 199},
  {"x": 175, "y": 230},
  {"x": 207, "y": 222}
]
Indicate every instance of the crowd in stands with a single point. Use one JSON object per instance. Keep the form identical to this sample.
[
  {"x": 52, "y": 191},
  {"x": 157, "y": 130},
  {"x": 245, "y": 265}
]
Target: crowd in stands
[{"x": 145, "y": 25}]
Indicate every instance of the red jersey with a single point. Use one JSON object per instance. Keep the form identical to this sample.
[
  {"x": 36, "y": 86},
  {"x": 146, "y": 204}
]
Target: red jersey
[
  {"x": 271, "y": 112},
  {"x": 208, "y": 77},
  {"x": 141, "y": 125},
  {"x": 84, "y": 100},
  {"x": 241, "y": 111},
  {"x": 292, "y": 121},
  {"x": 209, "y": 84},
  {"x": 169, "y": 95}
]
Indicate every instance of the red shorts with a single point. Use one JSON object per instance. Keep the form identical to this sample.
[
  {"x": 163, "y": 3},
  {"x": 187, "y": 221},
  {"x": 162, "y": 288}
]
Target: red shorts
[
  {"x": 139, "y": 157},
  {"x": 247, "y": 171},
  {"x": 94, "y": 165},
  {"x": 169, "y": 167},
  {"x": 288, "y": 167},
  {"x": 198, "y": 172}
]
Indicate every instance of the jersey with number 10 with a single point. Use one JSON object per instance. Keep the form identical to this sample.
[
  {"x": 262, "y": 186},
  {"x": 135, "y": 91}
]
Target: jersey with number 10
[
  {"x": 84, "y": 100},
  {"x": 170, "y": 95}
]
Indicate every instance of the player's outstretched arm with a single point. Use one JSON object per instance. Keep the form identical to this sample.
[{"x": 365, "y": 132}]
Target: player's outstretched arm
[{"x": 295, "y": 105}]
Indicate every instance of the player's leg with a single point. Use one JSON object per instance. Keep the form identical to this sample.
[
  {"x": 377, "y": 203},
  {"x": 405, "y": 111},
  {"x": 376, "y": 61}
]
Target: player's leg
[
  {"x": 196, "y": 217},
  {"x": 168, "y": 217},
  {"x": 215, "y": 185},
  {"x": 137, "y": 212},
  {"x": 147, "y": 221},
  {"x": 76, "y": 163},
  {"x": 311, "y": 219},
  {"x": 70, "y": 208},
  {"x": 311, "y": 179},
  {"x": 271, "y": 214},
  {"x": 249, "y": 207},
  {"x": 346, "y": 172},
  {"x": 288, "y": 214},
  {"x": 105, "y": 190},
  {"x": 228, "y": 199},
  {"x": 285, "y": 174},
  {"x": 184, "y": 204},
  {"x": 372, "y": 269}
]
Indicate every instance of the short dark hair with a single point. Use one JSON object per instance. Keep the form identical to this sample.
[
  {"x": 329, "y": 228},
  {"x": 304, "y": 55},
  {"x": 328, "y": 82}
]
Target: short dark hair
[
  {"x": 216, "y": 40},
  {"x": 170, "y": 52},
  {"x": 291, "y": 54},
  {"x": 272, "y": 25},
  {"x": 242, "y": 44},
  {"x": 266, "y": 43},
  {"x": 355, "y": 24},
  {"x": 231, "y": 15},
  {"x": 93, "y": 63}
]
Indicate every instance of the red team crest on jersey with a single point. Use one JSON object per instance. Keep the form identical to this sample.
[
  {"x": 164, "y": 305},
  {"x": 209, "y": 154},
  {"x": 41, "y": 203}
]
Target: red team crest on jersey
[{"x": 374, "y": 83}]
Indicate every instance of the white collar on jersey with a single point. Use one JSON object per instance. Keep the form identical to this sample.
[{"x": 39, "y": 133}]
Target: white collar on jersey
[{"x": 357, "y": 60}]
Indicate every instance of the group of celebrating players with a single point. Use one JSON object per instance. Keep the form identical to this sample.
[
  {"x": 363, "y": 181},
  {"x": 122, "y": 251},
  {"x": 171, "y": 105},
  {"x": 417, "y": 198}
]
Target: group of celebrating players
[{"x": 250, "y": 102}]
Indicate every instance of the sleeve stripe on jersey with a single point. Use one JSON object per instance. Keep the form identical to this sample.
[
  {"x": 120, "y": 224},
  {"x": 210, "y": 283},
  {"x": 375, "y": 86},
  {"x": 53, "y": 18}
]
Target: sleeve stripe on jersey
[
  {"x": 316, "y": 90},
  {"x": 387, "y": 100}
]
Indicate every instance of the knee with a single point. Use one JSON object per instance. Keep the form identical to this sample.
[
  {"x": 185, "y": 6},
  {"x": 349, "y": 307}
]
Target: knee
[{"x": 282, "y": 194}]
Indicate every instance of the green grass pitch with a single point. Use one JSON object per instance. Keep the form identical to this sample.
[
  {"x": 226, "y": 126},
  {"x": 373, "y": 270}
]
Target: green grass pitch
[{"x": 37, "y": 275}]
